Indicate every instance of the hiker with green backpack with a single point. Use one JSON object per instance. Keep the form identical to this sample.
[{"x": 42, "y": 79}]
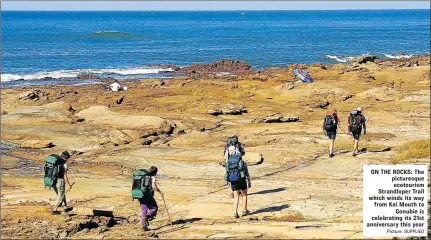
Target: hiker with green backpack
[
  {"x": 331, "y": 124},
  {"x": 56, "y": 178},
  {"x": 356, "y": 123},
  {"x": 143, "y": 187},
  {"x": 239, "y": 178}
]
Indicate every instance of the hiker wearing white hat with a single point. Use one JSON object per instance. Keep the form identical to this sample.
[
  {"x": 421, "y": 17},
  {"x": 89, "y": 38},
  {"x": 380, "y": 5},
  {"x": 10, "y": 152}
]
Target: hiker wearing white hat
[{"x": 356, "y": 123}]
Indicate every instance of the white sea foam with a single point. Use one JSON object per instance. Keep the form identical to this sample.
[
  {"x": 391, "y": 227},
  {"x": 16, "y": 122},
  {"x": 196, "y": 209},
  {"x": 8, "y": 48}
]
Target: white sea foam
[
  {"x": 397, "y": 56},
  {"x": 75, "y": 73},
  {"x": 337, "y": 59}
]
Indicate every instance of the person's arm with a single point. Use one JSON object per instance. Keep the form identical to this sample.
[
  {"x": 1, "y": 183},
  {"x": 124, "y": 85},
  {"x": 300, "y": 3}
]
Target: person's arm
[
  {"x": 66, "y": 178},
  {"x": 154, "y": 184},
  {"x": 248, "y": 178},
  {"x": 241, "y": 149},
  {"x": 339, "y": 125},
  {"x": 365, "y": 128}
]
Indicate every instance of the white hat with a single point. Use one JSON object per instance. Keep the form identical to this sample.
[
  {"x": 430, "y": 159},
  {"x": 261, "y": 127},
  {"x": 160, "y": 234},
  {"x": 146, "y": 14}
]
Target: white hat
[{"x": 359, "y": 109}]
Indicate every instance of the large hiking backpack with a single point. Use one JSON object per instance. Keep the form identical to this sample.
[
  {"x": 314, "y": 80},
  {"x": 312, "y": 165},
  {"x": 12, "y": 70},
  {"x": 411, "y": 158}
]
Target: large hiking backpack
[
  {"x": 142, "y": 185},
  {"x": 330, "y": 124},
  {"x": 52, "y": 168},
  {"x": 355, "y": 121},
  {"x": 235, "y": 169},
  {"x": 232, "y": 142}
]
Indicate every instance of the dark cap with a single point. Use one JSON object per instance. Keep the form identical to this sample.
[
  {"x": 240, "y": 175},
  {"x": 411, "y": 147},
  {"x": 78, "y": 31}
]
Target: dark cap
[{"x": 65, "y": 154}]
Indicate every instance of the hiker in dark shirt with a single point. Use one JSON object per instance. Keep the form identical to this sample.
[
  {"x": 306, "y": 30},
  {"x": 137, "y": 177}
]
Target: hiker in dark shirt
[
  {"x": 331, "y": 124},
  {"x": 59, "y": 186},
  {"x": 356, "y": 124}
]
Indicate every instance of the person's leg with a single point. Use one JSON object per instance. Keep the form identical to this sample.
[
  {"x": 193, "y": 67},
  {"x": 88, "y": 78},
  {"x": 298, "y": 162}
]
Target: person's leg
[
  {"x": 60, "y": 193},
  {"x": 152, "y": 208},
  {"x": 144, "y": 210},
  {"x": 244, "y": 199},
  {"x": 235, "y": 202},
  {"x": 331, "y": 146},
  {"x": 56, "y": 194}
]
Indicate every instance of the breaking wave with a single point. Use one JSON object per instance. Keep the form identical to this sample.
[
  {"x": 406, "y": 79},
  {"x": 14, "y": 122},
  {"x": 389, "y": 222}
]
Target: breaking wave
[
  {"x": 341, "y": 60},
  {"x": 112, "y": 35},
  {"x": 76, "y": 73},
  {"x": 397, "y": 56}
]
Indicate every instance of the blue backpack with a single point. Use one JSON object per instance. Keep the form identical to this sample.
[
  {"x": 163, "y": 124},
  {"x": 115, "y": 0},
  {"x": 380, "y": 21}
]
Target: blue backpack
[{"x": 235, "y": 169}]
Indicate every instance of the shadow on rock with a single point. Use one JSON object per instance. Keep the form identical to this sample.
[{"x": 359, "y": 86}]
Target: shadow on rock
[
  {"x": 271, "y": 209},
  {"x": 269, "y": 191},
  {"x": 183, "y": 221}
]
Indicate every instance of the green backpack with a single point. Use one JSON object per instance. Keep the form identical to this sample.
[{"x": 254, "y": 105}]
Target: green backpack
[
  {"x": 52, "y": 168},
  {"x": 142, "y": 185}
]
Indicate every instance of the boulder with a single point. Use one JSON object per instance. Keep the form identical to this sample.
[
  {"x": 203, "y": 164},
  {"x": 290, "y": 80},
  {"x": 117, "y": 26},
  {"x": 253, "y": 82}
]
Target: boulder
[
  {"x": 364, "y": 59},
  {"x": 36, "y": 144},
  {"x": 229, "y": 109},
  {"x": 275, "y": 118}
]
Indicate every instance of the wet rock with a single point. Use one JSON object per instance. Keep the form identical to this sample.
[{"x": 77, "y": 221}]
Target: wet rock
[
  {"x": 222, "y": 66},
  {"x": 33, "y": 95},
  {"x": 364, "y": 59},
  {"x": 276, "y": 118},
  {"x": 87, "y": 76}
]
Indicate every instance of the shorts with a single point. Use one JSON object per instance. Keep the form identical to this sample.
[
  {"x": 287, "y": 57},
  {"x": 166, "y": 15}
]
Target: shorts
[
  {"x": 331, "y": 135},
  {"x": 239, "y": 185},
  {"x": 356, "y": 134}
]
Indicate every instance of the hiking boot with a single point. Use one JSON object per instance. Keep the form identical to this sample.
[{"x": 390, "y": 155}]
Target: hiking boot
[
  {"x": 146, "y": 229},
  {"x": 147, "y": 222},
  {"x": 331, "y": 155},
  {"x": 354, "y": 154},
  {"x": 245, "y": 213},
  {"x": 67, "y": 209},
  {"x": 236, "y": 215}
]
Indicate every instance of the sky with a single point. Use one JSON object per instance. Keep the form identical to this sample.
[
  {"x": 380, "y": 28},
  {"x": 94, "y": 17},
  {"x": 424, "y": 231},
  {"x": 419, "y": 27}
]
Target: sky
[{"x": 207, "y": 5}]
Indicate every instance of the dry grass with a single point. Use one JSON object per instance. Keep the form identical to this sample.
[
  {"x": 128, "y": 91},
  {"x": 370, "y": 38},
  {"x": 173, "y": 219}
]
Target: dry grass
[{"x": 414, "y": 150}]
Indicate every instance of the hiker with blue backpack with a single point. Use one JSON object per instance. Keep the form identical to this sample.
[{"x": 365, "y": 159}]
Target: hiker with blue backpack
[
  {"x": 143, "y": 187},
  {"x": 56, "y": 178},
  {"x": 237, "y": 173},
  {"x": 356, "y": 124}
]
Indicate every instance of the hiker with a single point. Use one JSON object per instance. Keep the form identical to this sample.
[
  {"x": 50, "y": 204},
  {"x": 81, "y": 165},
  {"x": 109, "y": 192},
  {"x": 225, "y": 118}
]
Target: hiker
[
  {"x": 239, "y": 178},
  {"x": 356, "y": 123},
  {"x": 56, "y": 178},
  {"x": 239, "y": 148},
  {"x": 144, "y": 185},
  {"x": 331, "y": 124},
  {"x": 115, "y": 87}
]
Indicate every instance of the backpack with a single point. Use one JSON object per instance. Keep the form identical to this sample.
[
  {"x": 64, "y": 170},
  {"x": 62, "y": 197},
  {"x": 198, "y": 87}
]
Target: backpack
[
  {"x": 355, "y": 121},
  {"x": 233, "y": 142},
  {"x": 141, "y": 185},
  {"x": 235, "y": 169},
  {"x": 52, "y": 168},
  {"x": 330, "y": 124}
]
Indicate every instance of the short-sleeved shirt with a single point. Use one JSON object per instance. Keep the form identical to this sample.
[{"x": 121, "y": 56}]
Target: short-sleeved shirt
[
  {"x": 62, "y": 169},
  {"x": 115, "y": 87}
]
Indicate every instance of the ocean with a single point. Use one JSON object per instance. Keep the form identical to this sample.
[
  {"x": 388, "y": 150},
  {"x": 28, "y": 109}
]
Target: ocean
[{"x": 49, "y": 47}]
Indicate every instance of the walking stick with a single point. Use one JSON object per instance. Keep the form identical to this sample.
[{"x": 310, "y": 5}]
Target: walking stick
[{"x": 166, "y": 206}]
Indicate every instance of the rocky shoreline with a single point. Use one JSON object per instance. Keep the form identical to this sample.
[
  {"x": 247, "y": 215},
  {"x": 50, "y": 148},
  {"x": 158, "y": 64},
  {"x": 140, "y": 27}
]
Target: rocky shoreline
[
  {"x": 181, "y": 125},
  {"x": 234, "y": 68}
]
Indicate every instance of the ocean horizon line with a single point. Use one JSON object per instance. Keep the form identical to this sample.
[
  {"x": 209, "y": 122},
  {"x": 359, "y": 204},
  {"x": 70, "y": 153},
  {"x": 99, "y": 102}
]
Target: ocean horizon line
[{"x": 255, "y": 10}]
